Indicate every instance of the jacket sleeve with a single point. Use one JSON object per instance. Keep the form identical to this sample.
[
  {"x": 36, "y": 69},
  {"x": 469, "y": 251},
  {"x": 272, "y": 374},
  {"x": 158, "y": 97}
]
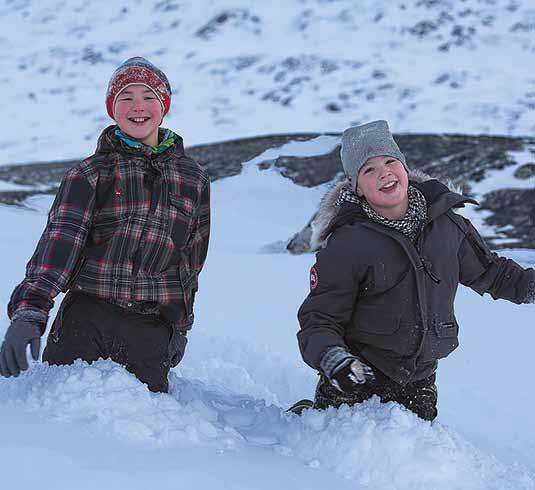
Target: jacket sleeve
[
  {"x": 201, "y": 231},
  {"x": 328, "y": 308},
  {"x": 56, "y": 256},
  {"x": 486, "y": 272}
]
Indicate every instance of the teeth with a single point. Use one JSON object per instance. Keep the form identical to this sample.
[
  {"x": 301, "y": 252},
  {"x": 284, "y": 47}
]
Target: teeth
[
  {"x": 139, "y": 119},
  {"x": 390, "y": 185}
]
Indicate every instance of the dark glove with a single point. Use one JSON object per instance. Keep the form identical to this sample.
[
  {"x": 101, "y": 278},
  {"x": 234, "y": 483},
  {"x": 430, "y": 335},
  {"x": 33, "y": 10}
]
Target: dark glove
[
  {"x": 351, "y": 375},
  {"x": 344, "y": 370},
  {"x": 13, "y": 351},
  {"x": 177, "y": 347}
]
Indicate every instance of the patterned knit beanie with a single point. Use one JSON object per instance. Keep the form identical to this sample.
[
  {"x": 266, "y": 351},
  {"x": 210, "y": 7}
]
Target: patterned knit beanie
[{"x": 138, "y": 70}]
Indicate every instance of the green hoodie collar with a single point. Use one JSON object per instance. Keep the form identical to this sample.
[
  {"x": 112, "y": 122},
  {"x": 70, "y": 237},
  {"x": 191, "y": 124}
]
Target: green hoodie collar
[{"x": 167, "y": 139}]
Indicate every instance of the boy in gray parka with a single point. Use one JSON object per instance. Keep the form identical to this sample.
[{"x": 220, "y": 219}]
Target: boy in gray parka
[{"x": 380, "y": 310}]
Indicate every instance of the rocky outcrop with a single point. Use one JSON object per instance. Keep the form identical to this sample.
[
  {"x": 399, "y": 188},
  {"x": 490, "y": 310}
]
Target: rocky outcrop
[{"x": 466, "y": 160}]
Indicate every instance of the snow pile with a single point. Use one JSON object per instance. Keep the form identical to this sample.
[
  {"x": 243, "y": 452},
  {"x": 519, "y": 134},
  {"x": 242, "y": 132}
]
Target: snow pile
[{"x": 375, "y": 445}]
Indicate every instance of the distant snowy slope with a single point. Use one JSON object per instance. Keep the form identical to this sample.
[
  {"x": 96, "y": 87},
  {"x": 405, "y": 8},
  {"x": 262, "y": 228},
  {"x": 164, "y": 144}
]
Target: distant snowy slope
[{"x": 249, "y": 67}]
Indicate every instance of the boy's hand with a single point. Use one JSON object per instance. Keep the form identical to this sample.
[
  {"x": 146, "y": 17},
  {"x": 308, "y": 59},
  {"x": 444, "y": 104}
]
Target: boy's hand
[
  {"x": 351, "y": 376},
  {"x": 13, "y": 351}
]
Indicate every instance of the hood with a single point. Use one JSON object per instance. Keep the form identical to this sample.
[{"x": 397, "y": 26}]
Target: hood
[{"x": 440, "y": 198}]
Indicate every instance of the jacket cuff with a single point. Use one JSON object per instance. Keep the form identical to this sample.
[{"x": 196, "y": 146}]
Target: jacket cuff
[
  {"x": 32, "y": 315},
  {"x": 334, "y": 359}
]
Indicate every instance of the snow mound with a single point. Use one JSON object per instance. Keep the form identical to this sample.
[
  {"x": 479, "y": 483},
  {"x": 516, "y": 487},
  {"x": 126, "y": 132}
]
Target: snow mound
[{"x": 376, "y": 445}]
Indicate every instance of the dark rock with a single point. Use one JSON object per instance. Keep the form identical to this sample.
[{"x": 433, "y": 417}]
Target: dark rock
[
  {"x": 513, "y": 213},
  {"x": 525, "y": 171},
  {"x": 462, "y": 159}
]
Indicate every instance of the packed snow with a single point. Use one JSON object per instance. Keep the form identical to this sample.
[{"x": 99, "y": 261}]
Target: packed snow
[{"x": 224, "y": 423}]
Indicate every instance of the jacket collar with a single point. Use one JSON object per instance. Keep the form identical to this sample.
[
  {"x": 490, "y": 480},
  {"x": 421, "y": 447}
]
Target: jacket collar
[
  {"x": 440, "y": 198},
  {"x": 109, "y": 142}
]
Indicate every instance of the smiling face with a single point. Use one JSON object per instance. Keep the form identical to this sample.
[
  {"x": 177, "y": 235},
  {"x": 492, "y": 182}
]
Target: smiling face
[
  {"x": 384, "y": 182},
  {"x": 138, "y": 112}
]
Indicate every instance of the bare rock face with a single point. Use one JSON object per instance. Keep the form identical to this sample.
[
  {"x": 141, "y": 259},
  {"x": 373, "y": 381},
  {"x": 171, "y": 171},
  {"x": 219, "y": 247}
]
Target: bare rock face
[{"x": 465, "y": 160}]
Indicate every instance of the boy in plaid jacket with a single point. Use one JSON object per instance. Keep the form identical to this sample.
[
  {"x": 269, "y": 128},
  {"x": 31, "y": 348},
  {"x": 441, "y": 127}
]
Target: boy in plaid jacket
[{"x": 126, "y": 239}]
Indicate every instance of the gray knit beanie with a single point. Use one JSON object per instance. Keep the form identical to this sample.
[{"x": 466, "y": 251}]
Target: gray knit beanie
[{"x": 367, "y": 141}]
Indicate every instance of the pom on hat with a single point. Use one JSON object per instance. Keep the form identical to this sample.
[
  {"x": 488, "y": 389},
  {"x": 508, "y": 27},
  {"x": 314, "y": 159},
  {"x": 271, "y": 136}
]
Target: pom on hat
[{"x": 138, "y": 70}]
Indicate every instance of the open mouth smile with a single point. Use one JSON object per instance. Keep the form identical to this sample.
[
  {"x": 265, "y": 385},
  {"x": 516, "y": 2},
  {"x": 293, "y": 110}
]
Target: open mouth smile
[
  {"x": 139, "y": 120},
  {"x": 391, "y": 186}
]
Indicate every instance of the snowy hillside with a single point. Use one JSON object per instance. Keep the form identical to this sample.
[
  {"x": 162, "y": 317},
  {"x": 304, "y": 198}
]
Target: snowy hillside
[
  {"x": 250, "y": 67},
  {"x": 223, "y": 425}
]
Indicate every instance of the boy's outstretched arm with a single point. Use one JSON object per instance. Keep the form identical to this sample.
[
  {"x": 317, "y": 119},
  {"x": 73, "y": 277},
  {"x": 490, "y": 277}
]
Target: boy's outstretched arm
[
  {"x": 329, "y": 305},
  {"x": 486, "y": 272}
]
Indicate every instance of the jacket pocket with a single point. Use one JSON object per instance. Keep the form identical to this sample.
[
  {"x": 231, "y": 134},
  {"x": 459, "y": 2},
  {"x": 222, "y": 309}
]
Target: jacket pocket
[
  {"x": 386, "y": 332},
  {"x": 448, "y": 337},
  {"x": 181, "y": 212},
  {"x": 442, "y": 340},
  {"x": 105, "y": 227}
]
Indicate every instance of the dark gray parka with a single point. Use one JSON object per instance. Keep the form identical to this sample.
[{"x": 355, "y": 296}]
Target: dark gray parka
[{"x": 389, "y": 300}]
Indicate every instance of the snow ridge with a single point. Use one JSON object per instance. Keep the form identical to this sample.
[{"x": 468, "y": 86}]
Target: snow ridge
[{"x": 375, "y": 445}]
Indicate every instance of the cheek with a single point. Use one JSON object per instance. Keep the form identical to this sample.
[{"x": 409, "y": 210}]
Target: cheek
[
  {"x": 365, "y": 186},
  {"x": 119, "y": 112},
  {"x": 404, "y": 179}
]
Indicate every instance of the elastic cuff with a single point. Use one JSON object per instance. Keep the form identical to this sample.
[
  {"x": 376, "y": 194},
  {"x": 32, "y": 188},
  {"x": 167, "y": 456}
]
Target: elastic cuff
[
  {"x": 334, "y": 359},
  {"x": 31, "y": 315}
]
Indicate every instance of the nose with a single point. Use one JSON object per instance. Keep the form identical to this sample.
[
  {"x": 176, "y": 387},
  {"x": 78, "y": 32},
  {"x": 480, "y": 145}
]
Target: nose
[
  {"x": 386, "y": 172},
  {"x": 137, "y": 104}
]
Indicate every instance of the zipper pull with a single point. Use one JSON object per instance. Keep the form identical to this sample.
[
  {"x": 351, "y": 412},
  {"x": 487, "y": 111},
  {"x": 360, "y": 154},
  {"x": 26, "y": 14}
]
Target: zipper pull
[{"x": 428, "y": 268}]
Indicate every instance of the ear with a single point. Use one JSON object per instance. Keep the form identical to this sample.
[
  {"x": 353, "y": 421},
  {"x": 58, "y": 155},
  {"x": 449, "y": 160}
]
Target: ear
[{"x": 359, "y": 191}]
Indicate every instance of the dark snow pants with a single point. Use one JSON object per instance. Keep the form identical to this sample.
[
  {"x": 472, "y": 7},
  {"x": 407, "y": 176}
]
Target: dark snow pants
[
  {"x": 90, "y": 328},
  {"x": 420, "y": 396}
]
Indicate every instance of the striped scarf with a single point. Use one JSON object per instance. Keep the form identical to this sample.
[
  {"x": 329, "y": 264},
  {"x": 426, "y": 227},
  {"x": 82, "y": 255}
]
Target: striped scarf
[{"x": 410, "y": 225}]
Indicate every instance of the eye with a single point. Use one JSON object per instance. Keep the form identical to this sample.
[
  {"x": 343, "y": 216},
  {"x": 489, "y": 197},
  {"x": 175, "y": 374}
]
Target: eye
[
  {"x": 390, "y": 161},
  {"x": 367, "y": 170},
  {"x": 124, "y": 98}
]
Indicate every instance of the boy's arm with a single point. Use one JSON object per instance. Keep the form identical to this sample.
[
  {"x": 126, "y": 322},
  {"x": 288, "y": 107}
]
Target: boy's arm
[
  {"x": 486, "y": 272},
  {"x": 329, "y": 305},
  {"x": 58, "y": 250},
  {"x": 201, "y": 231}
]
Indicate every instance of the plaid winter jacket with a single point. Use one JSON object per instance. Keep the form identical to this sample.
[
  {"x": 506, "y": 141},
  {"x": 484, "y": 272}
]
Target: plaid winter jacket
[{"x": 108, "y": 236}]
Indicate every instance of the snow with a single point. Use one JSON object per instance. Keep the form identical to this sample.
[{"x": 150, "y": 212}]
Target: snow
[
  {"x": 224, "y": 423},
  {"x": 243, "y": 69},
  {"x": 247, "y": 68}
]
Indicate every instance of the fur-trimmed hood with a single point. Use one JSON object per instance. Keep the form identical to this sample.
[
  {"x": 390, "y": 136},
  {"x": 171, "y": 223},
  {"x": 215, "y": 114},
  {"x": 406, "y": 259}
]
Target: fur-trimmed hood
[{"x": 324, "y": 222}]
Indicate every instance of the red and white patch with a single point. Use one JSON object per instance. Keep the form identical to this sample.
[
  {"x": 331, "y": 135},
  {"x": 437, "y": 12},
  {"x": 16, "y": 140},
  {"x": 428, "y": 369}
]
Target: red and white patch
[{"x": 314, "y": 279}]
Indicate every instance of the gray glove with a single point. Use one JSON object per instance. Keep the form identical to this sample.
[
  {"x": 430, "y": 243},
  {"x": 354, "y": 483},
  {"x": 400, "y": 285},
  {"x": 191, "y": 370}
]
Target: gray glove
[
  {"x": 13, "y": 351},
  {"x": 177, "y": 347},
  {"x": 345, "y": 371}
]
